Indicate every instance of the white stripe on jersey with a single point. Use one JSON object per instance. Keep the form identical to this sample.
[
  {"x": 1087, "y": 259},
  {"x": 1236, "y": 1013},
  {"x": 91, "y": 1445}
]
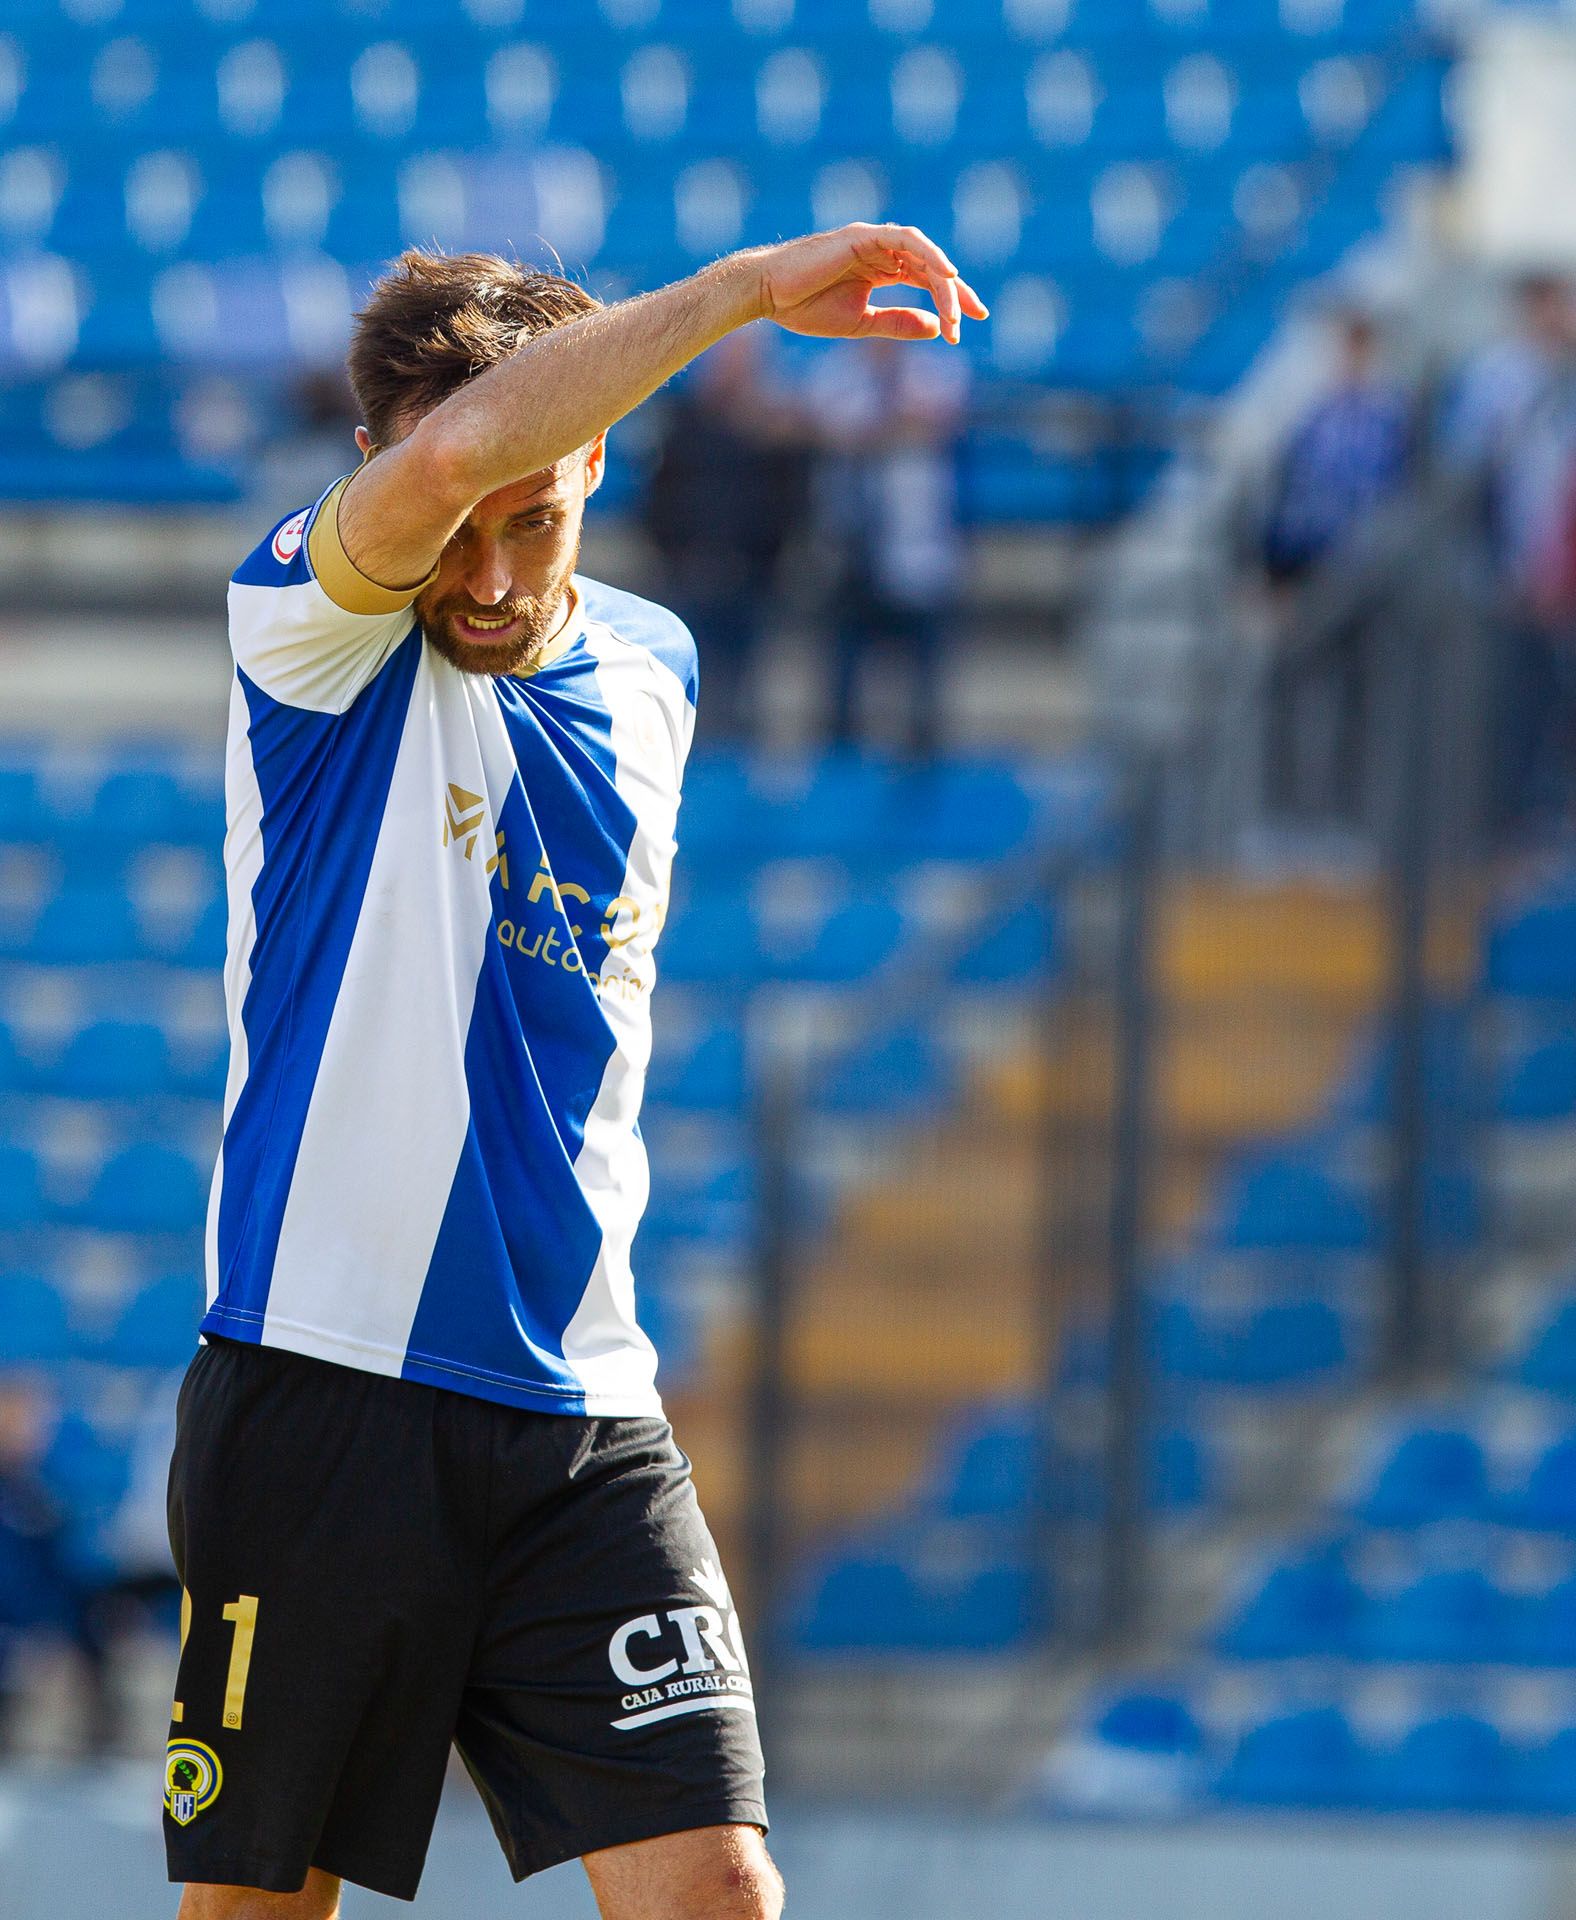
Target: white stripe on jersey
[
  {"x": 391, "y": 1107},
  {"x": 243, "y": 862}
]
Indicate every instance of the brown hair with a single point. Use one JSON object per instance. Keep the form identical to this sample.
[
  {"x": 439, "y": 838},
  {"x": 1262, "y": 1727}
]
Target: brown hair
[{"x": 435, "y": 320}]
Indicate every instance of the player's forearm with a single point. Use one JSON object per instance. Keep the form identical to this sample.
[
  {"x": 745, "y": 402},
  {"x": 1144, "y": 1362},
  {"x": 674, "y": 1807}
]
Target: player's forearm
[{"x": 566, "y": 386}]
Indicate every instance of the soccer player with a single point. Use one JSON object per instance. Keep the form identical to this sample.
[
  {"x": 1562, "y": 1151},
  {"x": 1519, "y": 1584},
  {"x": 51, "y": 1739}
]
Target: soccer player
[{"x": 422, "y": 1490}]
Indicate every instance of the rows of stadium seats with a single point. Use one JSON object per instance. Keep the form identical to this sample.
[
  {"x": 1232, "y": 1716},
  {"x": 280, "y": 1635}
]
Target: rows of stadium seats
[
  {"x": 1346, "y": 23},
  {"x": 1397, "y": 1746},
  {"x": 1138, "y": 186},
  {"x": 1379, "y": 1656},
  {"x": 1273, "y": 100},
  {"x": 1281, "y": 1298}
]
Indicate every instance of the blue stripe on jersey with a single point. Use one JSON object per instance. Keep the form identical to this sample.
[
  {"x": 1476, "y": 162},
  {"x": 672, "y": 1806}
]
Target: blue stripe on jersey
[
  {"x": 324, "y": 781},
  {"x": 514, "y": 1254}
]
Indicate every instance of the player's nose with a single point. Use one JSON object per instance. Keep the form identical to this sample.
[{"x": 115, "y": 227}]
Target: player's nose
[{"x": 487, "y": 578}]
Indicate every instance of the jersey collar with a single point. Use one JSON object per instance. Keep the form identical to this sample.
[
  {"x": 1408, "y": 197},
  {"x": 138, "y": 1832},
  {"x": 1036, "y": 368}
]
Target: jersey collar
[{"x": 573, "y": 627}]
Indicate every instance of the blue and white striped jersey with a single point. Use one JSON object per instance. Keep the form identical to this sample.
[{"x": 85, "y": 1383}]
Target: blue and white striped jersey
[{"x": 444, "y": 893}]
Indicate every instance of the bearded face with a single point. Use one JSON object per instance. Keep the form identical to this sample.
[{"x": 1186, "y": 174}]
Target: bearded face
[
  {"x": 501, "y": 591},
  {"x": 504, "y": 637}
]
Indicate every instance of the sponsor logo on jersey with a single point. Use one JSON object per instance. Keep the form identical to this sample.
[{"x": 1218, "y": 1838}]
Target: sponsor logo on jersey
[
  {"x": 627, "y": 932},
  {"x": 192, "y": 1779},
  {"x": 287, "y": 541},
  {"x": 463, "y": 814},
  {"x": 683, "y": 1660}
]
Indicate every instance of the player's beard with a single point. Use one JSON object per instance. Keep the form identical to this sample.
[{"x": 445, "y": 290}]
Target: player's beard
[{"x": 539, "y": 616}]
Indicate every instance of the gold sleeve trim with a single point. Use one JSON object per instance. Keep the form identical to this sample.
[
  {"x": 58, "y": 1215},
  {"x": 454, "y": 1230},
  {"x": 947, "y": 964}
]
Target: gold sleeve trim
[{"x": 339, "y": 576}]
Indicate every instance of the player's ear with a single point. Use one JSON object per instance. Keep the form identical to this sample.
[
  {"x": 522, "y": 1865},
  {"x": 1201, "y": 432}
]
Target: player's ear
[
  {"x": 364, "y": 442},
  {"x": 596, "y": 463}
]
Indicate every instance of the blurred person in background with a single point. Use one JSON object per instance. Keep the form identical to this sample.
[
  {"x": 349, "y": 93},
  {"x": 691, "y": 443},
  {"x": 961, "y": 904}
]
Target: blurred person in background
[
  {"x": 1348, "y": 455},
  {"x": 43, "y": 1592},
  {"x": 888, "y": 431},
  {"x": 727, "y": 493},
  {"x": 1350, "y": 452},
  {"x": 1510, "y": 435}
]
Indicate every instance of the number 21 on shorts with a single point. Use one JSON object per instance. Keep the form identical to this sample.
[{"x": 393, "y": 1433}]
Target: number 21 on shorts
[{"x": 241, "y": 1613}]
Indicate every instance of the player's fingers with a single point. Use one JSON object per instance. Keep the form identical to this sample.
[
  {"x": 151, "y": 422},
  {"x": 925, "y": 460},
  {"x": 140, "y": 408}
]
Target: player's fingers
[
  {"x": 910, "y": 240},
  {"x": 899, "y": 323},
  {"x": 971, "y": 303},
  {"x": 944, "y": 291}
]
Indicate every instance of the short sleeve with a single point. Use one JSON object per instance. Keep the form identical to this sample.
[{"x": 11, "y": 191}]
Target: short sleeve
[{"x": 306, "y": 625}]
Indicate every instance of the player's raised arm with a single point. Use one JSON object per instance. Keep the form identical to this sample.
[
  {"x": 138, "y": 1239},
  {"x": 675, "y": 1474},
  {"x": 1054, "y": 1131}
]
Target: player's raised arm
[{"x": 559, "y": 390}]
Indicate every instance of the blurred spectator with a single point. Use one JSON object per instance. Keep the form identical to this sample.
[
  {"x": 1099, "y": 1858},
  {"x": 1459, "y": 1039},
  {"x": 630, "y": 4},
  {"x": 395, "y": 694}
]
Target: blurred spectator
[
  {"x": 888, "y": 422},
  {"x": 41, "y": 1590},
  {"x": 727, "y": 493},
  {"x": 1511, "y": 435},
  {"x": 1346, "y": 458},
  {"x": 1349, "y": 453}
]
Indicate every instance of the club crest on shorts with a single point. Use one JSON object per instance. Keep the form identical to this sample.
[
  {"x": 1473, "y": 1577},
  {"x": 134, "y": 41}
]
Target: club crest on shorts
[{"x": 192, "y": 1779}]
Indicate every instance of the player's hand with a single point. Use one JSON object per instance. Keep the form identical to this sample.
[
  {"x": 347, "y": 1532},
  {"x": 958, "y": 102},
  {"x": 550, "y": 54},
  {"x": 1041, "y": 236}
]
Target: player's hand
[{"x": 821, "y": 285}]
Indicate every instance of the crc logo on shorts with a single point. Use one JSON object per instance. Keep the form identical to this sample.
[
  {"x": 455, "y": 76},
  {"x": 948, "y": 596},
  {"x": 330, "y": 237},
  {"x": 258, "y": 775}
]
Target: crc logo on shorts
[
  {"x": 192, "y": 1779},
  {"x": 684, "y": 1660},
  {"x": 287, "y": 541}
]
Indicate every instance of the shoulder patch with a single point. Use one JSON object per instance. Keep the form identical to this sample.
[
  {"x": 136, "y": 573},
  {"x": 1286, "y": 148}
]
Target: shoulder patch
[{"x": 287, "y": 541}]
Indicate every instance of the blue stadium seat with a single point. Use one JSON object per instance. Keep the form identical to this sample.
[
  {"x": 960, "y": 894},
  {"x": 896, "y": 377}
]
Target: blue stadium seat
[
  {"x": 844, "y": 806},
  {"x": 146, "y": 1188},
  {"x": 16, "y": 1071},
  {"x": 136, "y": 804},
  {"x": 1539, "y": 1083},
  {"x": 87, "y": 1468},
  {"x": 967, "y": 810},
  {"x": 35, "y": 1327},
  {"x": 1018, "y": 945},
  {"x": 892, "y": 1074},
  {"x": 915, "y": 1592},
  {"x": 21, "y": 802},
  {"x": 1453, "y": 1614},
  {"x": 712, "y": 942},
  {"x": 1547, "y": 1777},
  {"x": 1448, "y": 1071},
  {"x": 1548, "y": 1500},
  {"x": 712, "y": 1201},
  {"x": 1433, "y": 1473},
  {"x": 1548, "y": 1635},
  {"x": 113, "y": 1060},
  {"x": 86, "y": 924},
  {"x": 707, "y": 1073},
  {"x": 1305, "y": 1757},
  {"x": 1533, "y": 954},
  {"x": 21, "y": 1187},
  {"x": 1307, "y": 1606},
  {"x": 1455, "y": 1762},
  {"x": 1282, "y": 1344},
  {"x": 1550, "y": 1357},
  {"x": 201, "y": 1068},
  {"x": 1289, "y": 1200},
  {"x": 1151, "y": 1722},
  {"x": 989, "y": 1469},
  {"x": 854, "y": 942},
  {"x": 157, "y": 1328},
  {"x": 201, "y": 942}
]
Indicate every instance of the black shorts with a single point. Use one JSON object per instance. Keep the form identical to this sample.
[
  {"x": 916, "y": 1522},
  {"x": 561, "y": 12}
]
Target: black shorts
[{"x": 374, "y": 1569}]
